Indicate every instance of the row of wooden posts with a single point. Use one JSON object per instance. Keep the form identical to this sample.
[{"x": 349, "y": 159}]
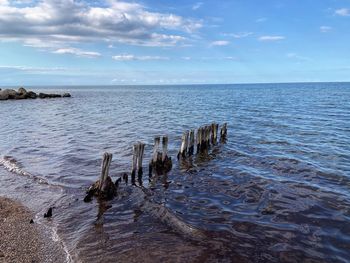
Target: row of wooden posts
[{"x": 160, "y": 162}]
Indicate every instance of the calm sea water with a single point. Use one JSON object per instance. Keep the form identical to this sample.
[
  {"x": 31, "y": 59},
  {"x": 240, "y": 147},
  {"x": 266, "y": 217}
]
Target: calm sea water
[{"x": 277, "y": 191}]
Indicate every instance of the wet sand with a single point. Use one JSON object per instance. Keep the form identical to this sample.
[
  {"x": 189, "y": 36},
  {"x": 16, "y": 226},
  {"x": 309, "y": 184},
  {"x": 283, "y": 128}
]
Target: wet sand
[{"x": 21, "y": 240}]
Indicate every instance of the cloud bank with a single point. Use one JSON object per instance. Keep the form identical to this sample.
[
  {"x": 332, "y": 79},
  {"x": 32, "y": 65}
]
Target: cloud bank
[{"x": 53, "y": 23}]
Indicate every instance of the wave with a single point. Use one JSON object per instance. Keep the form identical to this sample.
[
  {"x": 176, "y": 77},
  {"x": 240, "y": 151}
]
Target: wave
[{"x": 13, "y": 166}]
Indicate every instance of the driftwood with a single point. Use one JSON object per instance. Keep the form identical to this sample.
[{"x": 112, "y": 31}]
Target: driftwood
[
  {"x": 104, "y": 188},
  {"x": 161, "y": 163}
]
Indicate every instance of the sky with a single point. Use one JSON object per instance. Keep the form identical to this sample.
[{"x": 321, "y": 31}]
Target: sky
[{"x": 147, "y": 42}]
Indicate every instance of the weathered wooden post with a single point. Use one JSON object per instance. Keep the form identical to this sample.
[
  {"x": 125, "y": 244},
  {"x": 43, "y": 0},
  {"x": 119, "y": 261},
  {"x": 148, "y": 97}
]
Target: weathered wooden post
[
  {"x": 106, "y": 162},
  {"x": 141, "y": 149},
  {"x": 184, "y": 145},
  {"x": 203, "y": 138},
  {"x": 134, "y": 159},
  {"x": 165, "y": 148},
  {"x": 155, "y": 154},
  {"x": 214, "y": 135},
  {"x": 160, "y": 160},
  {"x": 208, "y": 135},
  {"x": 104, "y": 187},
  {"x": 223, "y": 132},
  {"x": 191, "y": 143},
  {"x": 199, "y": 139},
  {"x": 166, "y": 162}
]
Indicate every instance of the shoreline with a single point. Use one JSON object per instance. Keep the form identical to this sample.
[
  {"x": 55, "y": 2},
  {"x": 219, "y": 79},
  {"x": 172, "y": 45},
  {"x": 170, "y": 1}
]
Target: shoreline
[{"x": 23, "y": 240}]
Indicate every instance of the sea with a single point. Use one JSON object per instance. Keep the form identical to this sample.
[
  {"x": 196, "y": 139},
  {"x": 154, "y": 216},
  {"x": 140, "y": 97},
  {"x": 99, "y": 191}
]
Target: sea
[{"x": 277, "y": 190}]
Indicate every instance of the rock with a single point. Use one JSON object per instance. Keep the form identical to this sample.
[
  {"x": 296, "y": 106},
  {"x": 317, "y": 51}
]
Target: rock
[
  {"x": 8, "y": 94},
  {"x": 22, "y": 93},
  {"x": 22, "y": 90},
  {"x": 31, "y": 221},
  {"x": 31, "y": 95},
  {"x": 49, "y": 96},
  {"x": 49, "y": 213}
]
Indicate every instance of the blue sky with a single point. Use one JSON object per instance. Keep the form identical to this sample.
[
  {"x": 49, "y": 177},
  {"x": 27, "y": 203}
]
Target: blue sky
[{"x": 67, "y": 42}]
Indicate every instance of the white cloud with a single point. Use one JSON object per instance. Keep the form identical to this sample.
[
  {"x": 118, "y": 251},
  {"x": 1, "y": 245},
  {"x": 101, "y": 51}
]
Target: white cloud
[
  {"x": 53, "y": 23},
  {"x": 197, "y": 5},
  {"x": 220, "y": 43},
  {"x": 342, "y": 12},
  {"x": 297, "y": 57},
  {"x": 325, "y": 29},
  {"x": 77, "y": 52},
  {"x": 271, "y": 38},
  {"x": 130, "y": 57},
  {"x": 238, "y": 35}
]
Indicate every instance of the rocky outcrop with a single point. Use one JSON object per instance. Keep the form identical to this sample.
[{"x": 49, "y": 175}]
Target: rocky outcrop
[{"x": 22, "y": 93}]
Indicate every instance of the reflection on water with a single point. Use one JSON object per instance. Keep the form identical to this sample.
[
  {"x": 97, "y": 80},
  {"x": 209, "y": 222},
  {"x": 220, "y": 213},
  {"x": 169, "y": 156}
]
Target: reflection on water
[{"x": 278, "y": 190}]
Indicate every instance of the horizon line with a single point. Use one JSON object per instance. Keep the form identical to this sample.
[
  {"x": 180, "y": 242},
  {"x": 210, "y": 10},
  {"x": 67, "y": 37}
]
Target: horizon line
[{"x": 189, "y": 84}]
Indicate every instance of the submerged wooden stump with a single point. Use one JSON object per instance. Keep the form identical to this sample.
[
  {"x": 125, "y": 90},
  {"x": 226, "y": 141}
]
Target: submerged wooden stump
[
  {"x": 103, "y": 188},
  {"x": 161, "y": 163}
]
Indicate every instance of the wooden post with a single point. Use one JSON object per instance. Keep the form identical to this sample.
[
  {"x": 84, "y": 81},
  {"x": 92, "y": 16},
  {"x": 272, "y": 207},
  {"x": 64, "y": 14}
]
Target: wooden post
[
  {"x": 223, "y": 132},
  {"x": 208, "y": 135},
  {"x": 106, "y": 162},
  {"x": 199, "y": 139},
  {"x": 156, "y": 149},
  {"x": 191, "y": 143},
  {"x": 202, "y": 138},
  {"x": 214, "y": 135},
  {"x": 184, "y": 145},
  {"x": 155, "y": 154},
  {"x": 165, "y": 148},
  {"x": 134, "y": 159},
  {"x": 141, "y": 149},
  {"x": 205, "y": 138}
]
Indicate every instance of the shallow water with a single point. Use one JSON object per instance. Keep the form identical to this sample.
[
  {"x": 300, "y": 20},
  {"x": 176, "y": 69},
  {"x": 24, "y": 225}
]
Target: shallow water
[{"x": 276, "y": 191}]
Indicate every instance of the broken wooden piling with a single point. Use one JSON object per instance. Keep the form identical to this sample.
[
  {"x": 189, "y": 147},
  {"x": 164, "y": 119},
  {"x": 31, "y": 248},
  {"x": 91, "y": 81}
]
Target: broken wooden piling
[
  {"x": 214, "y": 134},
  {"x": 106, "y": 162},
  {"x": 165, "y": 148},
  {"x": 191, "y": 143},
  {"x": 184, "y": 145},
  {"x": 140, "y": 158},
  {"x": 138, "y": 150},
  {"x": 134, "y": 159},
  {"x": 103, "y": 188},
  {"x": 160, "y": 161},
  {"x": 199, "y": 139},
  {"x": 223, "y": 132}
]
